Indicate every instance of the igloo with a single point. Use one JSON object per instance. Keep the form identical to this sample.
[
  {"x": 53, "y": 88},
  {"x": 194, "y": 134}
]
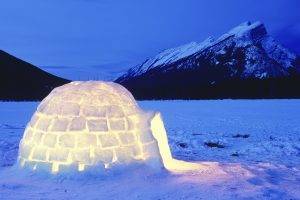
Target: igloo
[{"x": 94, "y": 124}]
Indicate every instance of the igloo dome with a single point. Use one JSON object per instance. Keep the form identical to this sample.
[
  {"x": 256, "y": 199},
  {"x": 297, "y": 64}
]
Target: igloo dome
[{"x": 94, "y": 124}]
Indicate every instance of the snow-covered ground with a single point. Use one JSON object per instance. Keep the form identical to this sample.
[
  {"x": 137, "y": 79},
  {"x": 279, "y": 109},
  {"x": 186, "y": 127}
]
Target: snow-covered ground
[{"x": 257, "y": 155}]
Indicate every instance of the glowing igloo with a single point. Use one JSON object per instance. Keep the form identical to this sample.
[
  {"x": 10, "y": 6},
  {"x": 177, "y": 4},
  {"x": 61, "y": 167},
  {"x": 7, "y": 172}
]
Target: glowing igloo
[{"x": 86, "y": 125}]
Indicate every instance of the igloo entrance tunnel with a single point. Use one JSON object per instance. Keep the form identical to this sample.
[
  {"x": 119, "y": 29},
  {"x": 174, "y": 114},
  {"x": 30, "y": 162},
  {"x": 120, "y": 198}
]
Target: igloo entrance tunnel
[{"x": 86, "y": 125}]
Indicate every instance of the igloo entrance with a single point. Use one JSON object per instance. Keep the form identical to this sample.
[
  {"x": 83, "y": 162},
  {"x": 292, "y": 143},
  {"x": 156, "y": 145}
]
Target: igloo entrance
[{"x": 92, "y": 124}]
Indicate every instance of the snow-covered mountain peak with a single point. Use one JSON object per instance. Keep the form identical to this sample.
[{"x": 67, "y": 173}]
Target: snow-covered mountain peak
[
  {"x": 168, "y": 56},
  {"x": 172, "y": 55},
  {"x": 246, "y": 30},
  {"x": 246, "y": 51},
  {"x": 245, "y": 62}
]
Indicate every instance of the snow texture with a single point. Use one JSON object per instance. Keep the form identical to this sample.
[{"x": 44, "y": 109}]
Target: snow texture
[{"x": 251, "y": 148}]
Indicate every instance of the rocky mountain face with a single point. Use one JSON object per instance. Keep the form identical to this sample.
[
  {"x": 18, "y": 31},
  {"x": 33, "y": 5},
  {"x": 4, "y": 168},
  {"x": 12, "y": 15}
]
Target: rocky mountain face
[
  {"x": 20, "y": 80},
  {"x": 246, "y": 62}
]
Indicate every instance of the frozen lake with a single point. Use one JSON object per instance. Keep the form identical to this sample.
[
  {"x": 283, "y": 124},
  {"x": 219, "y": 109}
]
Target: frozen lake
[
  {"x": 249, "y": 130},
  {"x": 260, "y": 138}
]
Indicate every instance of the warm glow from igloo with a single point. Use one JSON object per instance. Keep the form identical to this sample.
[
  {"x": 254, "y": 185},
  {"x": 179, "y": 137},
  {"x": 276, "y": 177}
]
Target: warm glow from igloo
[
  {"x": 94, "y": 124},
  {"x": 170, "y": 163}
]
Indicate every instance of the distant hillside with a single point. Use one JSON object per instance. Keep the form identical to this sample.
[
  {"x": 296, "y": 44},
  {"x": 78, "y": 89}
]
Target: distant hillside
[
  {"x": 246, "y": 62},
  {"x": 20, "y": 80}
]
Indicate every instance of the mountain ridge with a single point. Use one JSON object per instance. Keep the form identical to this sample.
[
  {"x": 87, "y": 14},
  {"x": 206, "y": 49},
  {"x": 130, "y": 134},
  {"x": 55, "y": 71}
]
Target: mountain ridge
[
  {"x": 20, "y": 80},
  {"x": 247, "y": 52}
]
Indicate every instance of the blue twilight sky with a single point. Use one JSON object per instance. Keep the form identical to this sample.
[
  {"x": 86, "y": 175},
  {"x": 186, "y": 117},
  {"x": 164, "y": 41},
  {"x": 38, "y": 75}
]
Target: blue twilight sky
[{"x": 116, "y": 34}]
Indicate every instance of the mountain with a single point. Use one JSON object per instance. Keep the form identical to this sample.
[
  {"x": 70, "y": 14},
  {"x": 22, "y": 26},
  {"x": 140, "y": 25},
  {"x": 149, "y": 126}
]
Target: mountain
[
  {"x": 20, "y": 80},
  {"x": 246, "y": 62}
]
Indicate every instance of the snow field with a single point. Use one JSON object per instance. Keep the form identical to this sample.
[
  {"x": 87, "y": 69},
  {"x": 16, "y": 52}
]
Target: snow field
[{"x": 251, "y": 149}]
